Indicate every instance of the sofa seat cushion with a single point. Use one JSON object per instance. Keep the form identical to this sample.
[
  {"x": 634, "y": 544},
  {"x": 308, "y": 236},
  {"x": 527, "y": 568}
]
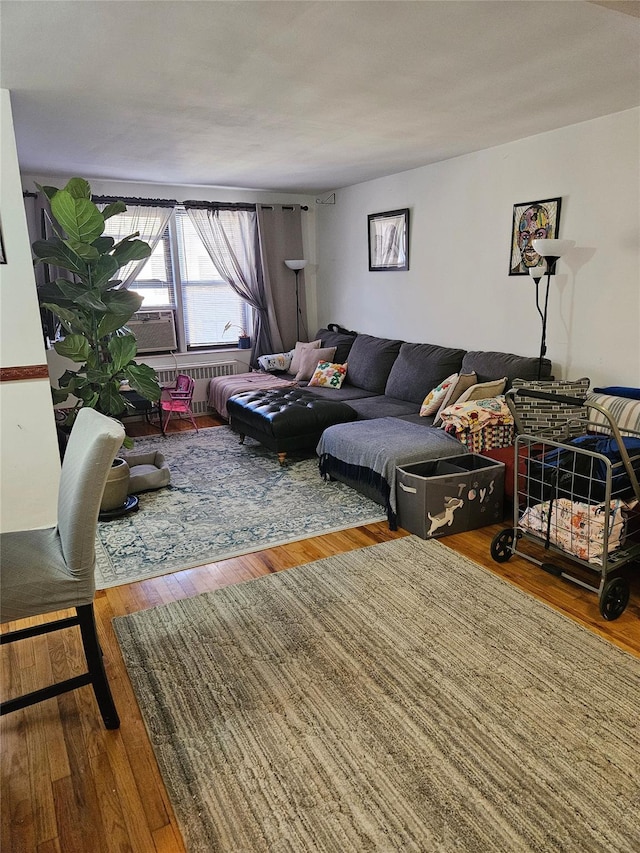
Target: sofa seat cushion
[
  {"x": 370, "y": 362},
  {"x": 382, "y": 406},
  {"x": 494, "y": 365},
  {"x": 344, "y": 394},
  {"x": 419, "y": 368}
]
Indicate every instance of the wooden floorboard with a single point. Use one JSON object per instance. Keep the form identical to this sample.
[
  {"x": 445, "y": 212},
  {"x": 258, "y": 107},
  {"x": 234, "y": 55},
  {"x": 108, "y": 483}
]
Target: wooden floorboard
[{"x": 69, "y": 785}]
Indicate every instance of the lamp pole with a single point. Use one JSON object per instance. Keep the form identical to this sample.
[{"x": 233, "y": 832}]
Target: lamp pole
[
  {"x": 296, "y": 266},
  {"x": 551, "y": 250},
  {"x": 297, "y": 272}
]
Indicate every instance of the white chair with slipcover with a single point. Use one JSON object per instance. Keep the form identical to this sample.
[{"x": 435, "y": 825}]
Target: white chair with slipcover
[{"x": 43, "y": 571}]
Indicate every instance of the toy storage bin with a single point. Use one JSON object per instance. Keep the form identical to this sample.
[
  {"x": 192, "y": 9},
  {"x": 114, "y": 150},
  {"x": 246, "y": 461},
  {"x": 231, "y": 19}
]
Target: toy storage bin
[{"x": 443, "y": 496}]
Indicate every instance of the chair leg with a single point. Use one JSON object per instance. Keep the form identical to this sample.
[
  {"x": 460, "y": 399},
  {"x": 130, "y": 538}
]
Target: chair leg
[{"x": 93, "y": 654}]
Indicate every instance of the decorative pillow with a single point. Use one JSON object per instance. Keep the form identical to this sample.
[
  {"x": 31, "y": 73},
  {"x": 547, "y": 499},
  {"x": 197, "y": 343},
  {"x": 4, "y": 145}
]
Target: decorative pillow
[
  {"x": 554, "y": 420},
  {"x": 309, "y": 361},
  {"x": 329, "y": 375},
  {"x": 278, "y": 362},
  {"x": 457, "y": 387},
  {"x": 624, "y": 411},
  {"x": 431, "y": 402},
  {"x": 483, "y": 390},
  {"x": 619, "y": 391},
  {"x": 300, "y": 347}
]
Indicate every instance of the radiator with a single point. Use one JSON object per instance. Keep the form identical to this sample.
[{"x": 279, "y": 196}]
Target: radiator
[{"x": 202, "y": 373}]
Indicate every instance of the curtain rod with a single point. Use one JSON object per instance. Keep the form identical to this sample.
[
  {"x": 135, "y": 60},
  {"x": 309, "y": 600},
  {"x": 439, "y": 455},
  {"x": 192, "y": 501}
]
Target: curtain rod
[
  {"x": 146, "y": 202},
  {"x": 162, "y": 202},
  {"x": 235, "y": 205}
]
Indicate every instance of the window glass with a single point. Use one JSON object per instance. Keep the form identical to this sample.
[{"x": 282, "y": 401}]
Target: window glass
[{"x": 209, "y": 302}]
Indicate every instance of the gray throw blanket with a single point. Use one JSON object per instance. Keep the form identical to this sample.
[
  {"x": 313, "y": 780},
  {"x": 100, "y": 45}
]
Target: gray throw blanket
[{"x": 381, "y": 444}]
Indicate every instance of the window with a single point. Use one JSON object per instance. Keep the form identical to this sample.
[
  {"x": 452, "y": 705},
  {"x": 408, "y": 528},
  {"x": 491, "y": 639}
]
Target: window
[
  {"x": 208, "y": 302},
  {"x": 181, "y": 276}
]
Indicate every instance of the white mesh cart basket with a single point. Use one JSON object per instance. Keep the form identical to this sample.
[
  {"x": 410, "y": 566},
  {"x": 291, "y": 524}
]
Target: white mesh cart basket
[{"x": 579, "y": 498}]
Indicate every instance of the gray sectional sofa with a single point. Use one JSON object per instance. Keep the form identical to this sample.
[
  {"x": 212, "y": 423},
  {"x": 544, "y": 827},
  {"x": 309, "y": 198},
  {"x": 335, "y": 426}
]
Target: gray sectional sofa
[{"x": 378, "y": 424}]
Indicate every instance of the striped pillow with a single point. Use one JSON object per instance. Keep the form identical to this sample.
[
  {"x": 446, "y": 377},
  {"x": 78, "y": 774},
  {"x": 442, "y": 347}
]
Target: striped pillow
[{"x": 624, "y": 411}]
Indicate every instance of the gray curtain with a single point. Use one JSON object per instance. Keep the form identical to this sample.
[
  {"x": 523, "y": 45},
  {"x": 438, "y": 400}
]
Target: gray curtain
[
  {"x": 280, "y": 229},
  {"x": 230, "y": 236}
]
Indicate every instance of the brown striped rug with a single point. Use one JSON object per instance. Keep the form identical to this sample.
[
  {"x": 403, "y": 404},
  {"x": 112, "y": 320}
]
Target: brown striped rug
[{"x": 394, "y": 698}]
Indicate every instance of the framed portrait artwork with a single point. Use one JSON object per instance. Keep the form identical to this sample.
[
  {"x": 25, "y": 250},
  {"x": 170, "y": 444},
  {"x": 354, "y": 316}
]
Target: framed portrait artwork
[
  {"x": 389, "y": 240},
  {"x": 532, "y": 220}
]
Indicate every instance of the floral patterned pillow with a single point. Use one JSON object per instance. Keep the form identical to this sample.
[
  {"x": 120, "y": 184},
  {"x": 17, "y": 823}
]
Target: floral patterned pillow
[
  {"x": 329, "y": 375},
  {"x": 431, "y": 402}
]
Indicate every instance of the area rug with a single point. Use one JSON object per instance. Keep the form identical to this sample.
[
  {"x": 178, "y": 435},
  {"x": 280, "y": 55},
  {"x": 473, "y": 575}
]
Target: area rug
[
  {"x": 394, "y": 698},
  {"x": 225, "y": 499}
]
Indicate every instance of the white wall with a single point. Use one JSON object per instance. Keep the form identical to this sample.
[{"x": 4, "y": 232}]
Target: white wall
[
  {"x": 29, "y": 457},
  {"x": 458, "y": 292}
]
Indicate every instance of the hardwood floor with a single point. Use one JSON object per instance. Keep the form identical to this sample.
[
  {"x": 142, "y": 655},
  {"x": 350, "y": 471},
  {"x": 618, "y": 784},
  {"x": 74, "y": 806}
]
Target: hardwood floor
[{"x": 68, "y": 785}]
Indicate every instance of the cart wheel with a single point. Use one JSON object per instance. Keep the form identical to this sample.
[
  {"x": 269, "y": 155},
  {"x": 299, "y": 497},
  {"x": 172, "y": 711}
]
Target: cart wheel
[
  {"x": 501, "y": 545},
  {"x": 614, "y": 599}
]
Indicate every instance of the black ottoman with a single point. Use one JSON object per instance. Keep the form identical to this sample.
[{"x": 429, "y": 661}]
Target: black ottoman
[{"x": 286, "y": 419}]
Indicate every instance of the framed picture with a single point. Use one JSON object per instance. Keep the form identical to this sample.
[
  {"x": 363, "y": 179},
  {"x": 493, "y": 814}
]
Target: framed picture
[
  {"x": 389, "y": 240},
  {"x": 532, "y": 220},
  {"x": 3, "y": 258}
]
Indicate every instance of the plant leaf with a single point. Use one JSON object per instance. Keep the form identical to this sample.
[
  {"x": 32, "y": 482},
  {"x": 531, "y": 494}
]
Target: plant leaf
[
  {"x": 60, "y": 255},
  {"x": 79, "y": 217},
  {"x": 81, "y": 295},
  {"x": 75, "y": 347},
  {"x": 111, "y": 402},
  {"x": 68, "y": 316},
  {"x": 101, "y": 271},
  {"x": 114, "y": 208},
  {"x": 48, "y": 191},
  {"x": 100, "y": 375},
  {"x": 78, "y": 188},
  {"x": 59, "y": 395},
  {"x": 122, "y": 301},
  {"x": 144, "y": 380},
  {"x": 86, "y": 251},
  {"x": 131, "y": 250},
  {"x": 104, "y": 244},
  {"x": 122, "y": 349}
]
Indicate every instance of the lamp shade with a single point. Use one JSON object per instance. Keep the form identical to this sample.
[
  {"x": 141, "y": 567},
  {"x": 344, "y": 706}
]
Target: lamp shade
[
  {"x": 538, "y": 272},
  {"x": 552, "y": 248},
  {"x": 296, "y": 265}
]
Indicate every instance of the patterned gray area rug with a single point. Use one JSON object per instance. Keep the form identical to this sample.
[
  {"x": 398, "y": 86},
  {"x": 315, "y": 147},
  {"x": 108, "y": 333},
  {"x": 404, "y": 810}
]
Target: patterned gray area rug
[
  {"x": 225, "y": 499},
  {"x": 395, "y": 698}
]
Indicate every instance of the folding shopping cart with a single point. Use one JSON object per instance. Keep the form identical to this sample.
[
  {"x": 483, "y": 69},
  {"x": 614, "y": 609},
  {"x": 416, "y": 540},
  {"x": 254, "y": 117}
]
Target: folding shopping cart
[{"x": 580, "y": 498}]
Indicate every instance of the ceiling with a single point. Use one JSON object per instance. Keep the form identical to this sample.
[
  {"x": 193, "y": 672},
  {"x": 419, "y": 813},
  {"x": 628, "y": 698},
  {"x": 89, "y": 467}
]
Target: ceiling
[{"x": 302, "y": 96}]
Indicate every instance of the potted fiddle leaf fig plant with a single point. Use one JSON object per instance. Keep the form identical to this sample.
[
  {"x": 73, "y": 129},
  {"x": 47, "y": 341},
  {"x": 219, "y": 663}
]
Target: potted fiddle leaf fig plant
[{"x": 92, "y": 307}]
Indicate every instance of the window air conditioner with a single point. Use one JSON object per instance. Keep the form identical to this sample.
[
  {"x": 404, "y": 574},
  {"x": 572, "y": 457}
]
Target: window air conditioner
[{"x": 154, "y": 331}]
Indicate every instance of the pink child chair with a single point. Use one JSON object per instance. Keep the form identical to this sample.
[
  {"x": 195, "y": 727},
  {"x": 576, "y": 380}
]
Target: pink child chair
[{"x": 178, "y": 400}]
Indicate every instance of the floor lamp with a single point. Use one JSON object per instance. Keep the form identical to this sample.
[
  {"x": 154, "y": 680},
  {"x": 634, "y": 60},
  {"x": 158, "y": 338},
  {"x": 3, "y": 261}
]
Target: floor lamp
[
  {"x": 551, "y": 251},
  {"x": 296, "y": 266}
]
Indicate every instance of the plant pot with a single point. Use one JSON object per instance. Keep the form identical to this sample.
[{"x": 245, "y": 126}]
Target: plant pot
[
  {"x": 116, "y": 488},
  {"x": 244, "y": 342}
]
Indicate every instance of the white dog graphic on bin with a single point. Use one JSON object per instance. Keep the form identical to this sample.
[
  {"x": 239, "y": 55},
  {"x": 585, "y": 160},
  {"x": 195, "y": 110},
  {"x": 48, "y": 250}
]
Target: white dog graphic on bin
[{"x": 446, "y": 516}]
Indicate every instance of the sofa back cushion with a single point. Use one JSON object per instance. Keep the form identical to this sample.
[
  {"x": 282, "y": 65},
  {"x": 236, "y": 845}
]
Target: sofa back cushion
[
  {"x": 342, "y": 343},
  {"x": 419, "y": 368},
  {"x": 495, "y": 365},
  {"x": 370, "y": 361}
]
